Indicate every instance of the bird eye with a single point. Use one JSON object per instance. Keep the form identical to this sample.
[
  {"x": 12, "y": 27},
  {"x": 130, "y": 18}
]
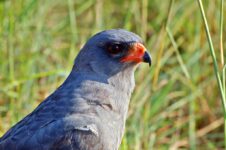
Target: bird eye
[{"x": 115, "y": 48}]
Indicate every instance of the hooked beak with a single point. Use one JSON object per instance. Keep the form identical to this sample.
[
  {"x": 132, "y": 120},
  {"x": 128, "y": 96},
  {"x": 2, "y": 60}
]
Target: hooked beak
[
  {"x": 137, "y": 54},
  {"x": 147, "y": 58}
]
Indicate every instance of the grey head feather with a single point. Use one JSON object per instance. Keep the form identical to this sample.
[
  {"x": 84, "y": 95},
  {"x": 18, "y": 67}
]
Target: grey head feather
[{"x": 95, "y": 58}]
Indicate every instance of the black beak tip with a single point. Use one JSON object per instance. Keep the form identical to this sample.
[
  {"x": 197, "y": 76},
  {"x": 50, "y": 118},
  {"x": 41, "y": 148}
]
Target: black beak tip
[{"x": 147, "y": 58}]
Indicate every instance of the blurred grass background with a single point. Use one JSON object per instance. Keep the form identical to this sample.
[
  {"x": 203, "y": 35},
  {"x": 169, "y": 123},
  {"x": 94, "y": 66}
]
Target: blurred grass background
[{"x": 176, "y": 103}]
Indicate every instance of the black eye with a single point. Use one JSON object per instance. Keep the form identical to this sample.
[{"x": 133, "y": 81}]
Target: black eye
[{"x": 115, "y": 48}]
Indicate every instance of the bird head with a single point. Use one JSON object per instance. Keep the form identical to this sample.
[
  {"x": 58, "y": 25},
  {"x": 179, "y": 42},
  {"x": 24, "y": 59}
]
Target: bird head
[{"x": 113, "y": 50}]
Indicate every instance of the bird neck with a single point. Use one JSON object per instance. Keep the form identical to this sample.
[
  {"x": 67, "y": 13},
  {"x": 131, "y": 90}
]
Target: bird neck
[{"x": 122, "y": 82}]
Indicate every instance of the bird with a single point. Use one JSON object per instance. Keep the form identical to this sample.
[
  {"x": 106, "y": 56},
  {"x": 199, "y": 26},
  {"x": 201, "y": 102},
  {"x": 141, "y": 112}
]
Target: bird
[{"x": 88, "y": 110}]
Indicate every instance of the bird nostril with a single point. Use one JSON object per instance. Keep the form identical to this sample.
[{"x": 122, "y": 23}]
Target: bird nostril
[{"x": 140, "y": 48}]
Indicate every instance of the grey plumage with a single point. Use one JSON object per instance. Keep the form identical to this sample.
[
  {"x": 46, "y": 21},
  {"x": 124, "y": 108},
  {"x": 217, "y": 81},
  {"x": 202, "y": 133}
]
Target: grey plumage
[{"x": 88, "y": 111}]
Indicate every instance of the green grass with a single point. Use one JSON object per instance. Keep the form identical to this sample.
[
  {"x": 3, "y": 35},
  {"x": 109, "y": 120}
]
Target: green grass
[{"x": 176, "y": 103}]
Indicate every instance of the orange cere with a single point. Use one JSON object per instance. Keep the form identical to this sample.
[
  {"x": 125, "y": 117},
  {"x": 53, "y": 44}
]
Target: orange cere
[{"x": 135, "y": 54}]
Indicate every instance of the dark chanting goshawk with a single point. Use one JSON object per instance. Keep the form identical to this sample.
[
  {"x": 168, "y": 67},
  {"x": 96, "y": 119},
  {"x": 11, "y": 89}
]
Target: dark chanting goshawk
[{"x": 88, "y": 111}]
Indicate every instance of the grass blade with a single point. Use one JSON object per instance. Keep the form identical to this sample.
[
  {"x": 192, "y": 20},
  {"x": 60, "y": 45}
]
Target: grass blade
[{"x": 216, "y": 69}]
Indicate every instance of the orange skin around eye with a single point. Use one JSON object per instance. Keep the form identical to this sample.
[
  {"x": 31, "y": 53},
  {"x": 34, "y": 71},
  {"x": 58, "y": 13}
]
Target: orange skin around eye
[{"x": 135, "y": 54}]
